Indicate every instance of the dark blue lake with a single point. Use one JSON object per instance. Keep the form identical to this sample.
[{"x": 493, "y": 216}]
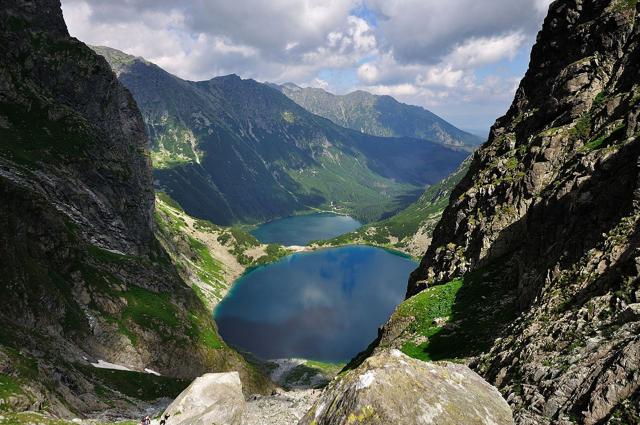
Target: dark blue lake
[
  {"x": 302, "y": 229},
  {"x": 324, "y": 305}
]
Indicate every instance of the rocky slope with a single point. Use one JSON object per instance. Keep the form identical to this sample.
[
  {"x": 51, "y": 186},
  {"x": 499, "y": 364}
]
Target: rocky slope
[
  {"x": 545, "y": 227},
  {"x": 83, "y": 276},
  {"x": 231, "y": 150},
  {"x": 410, "y": 229},
  {"x": 378, "y": 115}
]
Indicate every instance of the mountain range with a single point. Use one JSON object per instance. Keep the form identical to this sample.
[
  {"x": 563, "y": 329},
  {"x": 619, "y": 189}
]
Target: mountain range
[
  {"x": 378, "y": 115},
  {"x": 531, "y": 276},
  {"x": 233, "y": 150}
]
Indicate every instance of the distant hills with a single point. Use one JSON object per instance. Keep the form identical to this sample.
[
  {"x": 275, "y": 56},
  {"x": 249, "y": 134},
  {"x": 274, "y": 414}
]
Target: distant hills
[
  {"x": 378, "y": 115},
  {"x": 233, "y": 150},
  {"x": 410, "y": 229}
]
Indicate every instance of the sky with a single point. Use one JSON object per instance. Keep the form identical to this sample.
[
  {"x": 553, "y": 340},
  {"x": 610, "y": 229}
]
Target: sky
[{"x": 461, "y": 59}]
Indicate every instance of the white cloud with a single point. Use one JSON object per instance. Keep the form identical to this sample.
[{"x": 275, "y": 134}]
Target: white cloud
[
  {"x": 423, "y": 51},
  {"x": 475, "y": 52},
  {"x": 424, "y": 31}
]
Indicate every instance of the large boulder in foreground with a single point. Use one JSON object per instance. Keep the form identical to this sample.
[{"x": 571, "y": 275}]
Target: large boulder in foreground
[
  {"x": 392, "y": 388},
  {"x": 213, "y": 398}
]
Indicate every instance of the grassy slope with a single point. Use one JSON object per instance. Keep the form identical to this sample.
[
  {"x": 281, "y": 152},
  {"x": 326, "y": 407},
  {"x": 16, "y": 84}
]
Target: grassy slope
[
  {"x": 208, "y": 257},
  {"x": 459, "y": 319},
  {"x": 410, "y": 229},
  {"x": 454, "y": 321}
]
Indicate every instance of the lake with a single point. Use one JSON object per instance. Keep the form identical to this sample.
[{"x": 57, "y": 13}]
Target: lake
[
  {"x": 324, "y": 305},
  {"x": 302, "y": 229}
]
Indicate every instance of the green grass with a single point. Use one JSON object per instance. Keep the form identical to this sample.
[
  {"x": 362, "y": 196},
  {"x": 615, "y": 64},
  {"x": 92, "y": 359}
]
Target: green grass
[
  {"x": 149, "y": 309},
  {"x": 478, "y": 306},
  {"x": 30, "y": 418},
  {"x": 8, "y": 386},
  {"x": 425, "y": 307},
  {"x": 203, "y": 332},
  {"x": 598, "y": 100},
  {"x": 593, "y": 144},
  {"x": 273, "y": 253},
  {"x": 169, "y": 201},
  {"x": 605, "y": 139},
  {"x": 582, "y": 128},
  {"x": 209, "y": 269},
  {"x": 143, "y": 386}
]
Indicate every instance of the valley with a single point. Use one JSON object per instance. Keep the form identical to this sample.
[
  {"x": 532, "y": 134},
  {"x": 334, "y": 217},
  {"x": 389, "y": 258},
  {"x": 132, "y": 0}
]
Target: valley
[
  {"x": 222, "y": 250},
  {"x": 248, "y": 154}
]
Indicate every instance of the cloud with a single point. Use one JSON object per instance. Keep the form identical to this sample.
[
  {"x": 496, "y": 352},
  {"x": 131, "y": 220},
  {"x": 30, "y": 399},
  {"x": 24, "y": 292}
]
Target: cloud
[
  {"x": 475, "y": 52},
  {"x": 424, "y": 31},
  {"x": 201, "y": 39},
  {"x": 428, "y": 52}
]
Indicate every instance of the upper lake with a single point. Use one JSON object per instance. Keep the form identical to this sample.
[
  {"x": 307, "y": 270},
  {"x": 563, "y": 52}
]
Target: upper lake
[
  {"x": 302, "y": 229},
  {"x": 324, "y": 305}
]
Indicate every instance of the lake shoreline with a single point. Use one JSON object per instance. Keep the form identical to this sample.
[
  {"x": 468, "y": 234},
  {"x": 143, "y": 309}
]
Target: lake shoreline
[{"x": 338, "y": 295}]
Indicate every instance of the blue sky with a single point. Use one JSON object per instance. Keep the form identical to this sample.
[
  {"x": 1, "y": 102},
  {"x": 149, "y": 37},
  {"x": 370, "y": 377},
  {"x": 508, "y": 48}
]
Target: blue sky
[{"x": 461, "y": 59}]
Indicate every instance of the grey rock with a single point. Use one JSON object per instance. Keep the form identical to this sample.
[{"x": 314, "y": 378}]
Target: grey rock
[
  {"x": 214, "y": 398},
  {"x": 392, "y": 388}
]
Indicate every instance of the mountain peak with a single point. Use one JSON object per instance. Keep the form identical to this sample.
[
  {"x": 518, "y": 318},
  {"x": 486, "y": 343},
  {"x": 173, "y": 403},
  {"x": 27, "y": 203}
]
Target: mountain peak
[{"x": 378, "y": 115}]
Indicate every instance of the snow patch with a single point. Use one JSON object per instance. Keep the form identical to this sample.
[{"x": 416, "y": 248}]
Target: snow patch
[
  {"x": 101, "y": 364},
  {"x": 153, "y": 372}
]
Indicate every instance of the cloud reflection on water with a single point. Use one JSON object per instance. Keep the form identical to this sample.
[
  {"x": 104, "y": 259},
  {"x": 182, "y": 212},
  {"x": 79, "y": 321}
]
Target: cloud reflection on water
[{"x": 325, "y": 305}]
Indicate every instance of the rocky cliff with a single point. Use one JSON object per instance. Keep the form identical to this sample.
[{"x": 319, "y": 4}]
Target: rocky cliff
[
  {"x": 544, "y": 229},
  {"x": 82, "y": 276}
]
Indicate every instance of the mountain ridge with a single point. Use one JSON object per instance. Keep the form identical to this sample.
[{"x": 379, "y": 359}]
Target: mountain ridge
[
  {"x": 222, "y": 136},
  {"x": 378, "y": 115}
]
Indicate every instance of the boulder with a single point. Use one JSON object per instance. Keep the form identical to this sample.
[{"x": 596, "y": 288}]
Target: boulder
[
  {"x": 392, "y": 388},
  {"x": 212, "y": 399}
]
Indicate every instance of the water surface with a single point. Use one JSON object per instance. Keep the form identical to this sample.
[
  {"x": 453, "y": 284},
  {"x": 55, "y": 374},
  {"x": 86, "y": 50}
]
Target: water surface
[
  {"x": 302, "y": 229},
  {"x": 325, "y": 305}
]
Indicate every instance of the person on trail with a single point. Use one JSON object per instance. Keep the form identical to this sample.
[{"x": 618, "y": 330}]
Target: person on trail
[
  {"x": 147, "y": 420},
  {"x": 165, "y": 419}
]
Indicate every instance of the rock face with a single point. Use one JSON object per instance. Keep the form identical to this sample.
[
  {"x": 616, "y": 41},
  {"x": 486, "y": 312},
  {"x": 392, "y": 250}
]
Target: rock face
[
  {"x": 231, "y": 150},
  {"x": 392, "y": 388},
  {"x": 378, "y": 115},
  {"x": 214, "y": 398},
  {"x": 83, "y": 277},
  {"x": 550, "y": 206}
]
